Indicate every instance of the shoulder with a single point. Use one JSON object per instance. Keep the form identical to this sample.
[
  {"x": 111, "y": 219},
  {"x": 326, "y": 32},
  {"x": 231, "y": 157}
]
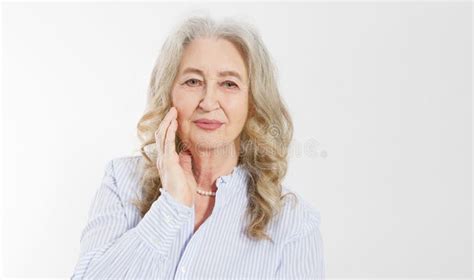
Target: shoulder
[
  {"x": 125, "y": 167},
  {"x": 124, "y": 162},
  {"x": 297, "y": 218},
  {"x": 125, "y": 171}
]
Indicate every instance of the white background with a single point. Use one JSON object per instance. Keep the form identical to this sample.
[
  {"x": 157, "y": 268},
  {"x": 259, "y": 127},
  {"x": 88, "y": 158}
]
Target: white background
[{"x": 380, "y": 93}]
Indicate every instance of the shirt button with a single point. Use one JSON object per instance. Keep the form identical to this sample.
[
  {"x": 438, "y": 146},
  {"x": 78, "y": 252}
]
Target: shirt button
[{"x": 183, "y": 269}]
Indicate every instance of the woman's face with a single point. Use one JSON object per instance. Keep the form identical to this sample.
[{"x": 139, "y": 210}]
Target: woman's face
[{"x": 211, "y": 84}]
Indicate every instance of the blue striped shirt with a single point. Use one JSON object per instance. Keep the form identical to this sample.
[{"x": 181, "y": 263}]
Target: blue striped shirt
[{"x": 117, "y": 243}]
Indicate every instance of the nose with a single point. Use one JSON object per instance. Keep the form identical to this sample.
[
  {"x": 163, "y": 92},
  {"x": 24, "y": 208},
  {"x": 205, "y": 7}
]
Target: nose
[{"x": 209, "y": 101}]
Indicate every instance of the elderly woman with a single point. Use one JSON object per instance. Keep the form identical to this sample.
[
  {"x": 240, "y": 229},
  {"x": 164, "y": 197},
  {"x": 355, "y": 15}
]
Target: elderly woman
[{"x": 205, "y": 199}]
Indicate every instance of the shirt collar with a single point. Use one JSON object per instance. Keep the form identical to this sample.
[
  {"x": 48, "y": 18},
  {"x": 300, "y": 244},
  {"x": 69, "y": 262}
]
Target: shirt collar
[{"x": 231, "y": 184}]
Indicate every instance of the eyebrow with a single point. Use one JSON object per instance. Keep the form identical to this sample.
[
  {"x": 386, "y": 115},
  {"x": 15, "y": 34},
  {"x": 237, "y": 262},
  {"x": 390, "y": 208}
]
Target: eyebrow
[{"x": 220, "y": 74}]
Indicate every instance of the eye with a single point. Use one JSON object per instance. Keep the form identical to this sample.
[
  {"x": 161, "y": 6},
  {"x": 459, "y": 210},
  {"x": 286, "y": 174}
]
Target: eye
[
  {"x": 232, "y": 84},
  {"x": 195, "y": 82}
]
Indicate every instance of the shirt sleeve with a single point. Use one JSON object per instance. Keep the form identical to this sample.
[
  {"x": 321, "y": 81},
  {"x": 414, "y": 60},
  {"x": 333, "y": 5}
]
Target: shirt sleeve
[
  {"x": 111, "y": 248},
  {"x": 303, "y": 255}
]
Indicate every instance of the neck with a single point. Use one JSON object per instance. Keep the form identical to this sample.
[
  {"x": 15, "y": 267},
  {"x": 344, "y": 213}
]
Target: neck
[{"x": 209, "y": 164}]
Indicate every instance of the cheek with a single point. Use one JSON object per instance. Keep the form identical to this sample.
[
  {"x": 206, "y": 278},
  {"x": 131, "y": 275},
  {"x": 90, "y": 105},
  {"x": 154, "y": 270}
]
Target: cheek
[
  {"x": 238, "y": 109},
  {"x": 178, "y": 98},
  {"x": 184, "y": 102}
]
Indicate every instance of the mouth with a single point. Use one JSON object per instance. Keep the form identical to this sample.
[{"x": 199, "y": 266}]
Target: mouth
[{"x": 208, "y": 124}]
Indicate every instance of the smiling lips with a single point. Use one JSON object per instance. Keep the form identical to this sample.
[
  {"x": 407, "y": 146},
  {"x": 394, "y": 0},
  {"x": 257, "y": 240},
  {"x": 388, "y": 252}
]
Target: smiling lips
[{"x": 208, "y": 124}]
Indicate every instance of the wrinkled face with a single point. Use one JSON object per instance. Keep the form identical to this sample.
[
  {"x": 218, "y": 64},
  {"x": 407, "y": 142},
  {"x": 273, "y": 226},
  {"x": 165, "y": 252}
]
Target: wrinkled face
[{"x": 211, "y": 84}]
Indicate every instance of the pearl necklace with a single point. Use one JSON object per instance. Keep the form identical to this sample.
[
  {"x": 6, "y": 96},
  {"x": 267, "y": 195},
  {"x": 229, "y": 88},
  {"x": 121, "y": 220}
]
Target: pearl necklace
[{"x": 201, "y": 192}]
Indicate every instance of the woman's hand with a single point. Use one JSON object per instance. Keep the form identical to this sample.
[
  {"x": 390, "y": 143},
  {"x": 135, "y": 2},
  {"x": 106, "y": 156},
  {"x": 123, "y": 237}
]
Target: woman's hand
[{"x": 175, "y": 170}]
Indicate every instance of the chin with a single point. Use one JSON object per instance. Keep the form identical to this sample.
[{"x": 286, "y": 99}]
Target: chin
[{"x": 207, "y": 143}]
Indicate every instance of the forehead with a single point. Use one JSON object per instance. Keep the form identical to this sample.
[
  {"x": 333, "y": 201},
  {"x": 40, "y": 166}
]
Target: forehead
[{"x": 213, "y": 56}]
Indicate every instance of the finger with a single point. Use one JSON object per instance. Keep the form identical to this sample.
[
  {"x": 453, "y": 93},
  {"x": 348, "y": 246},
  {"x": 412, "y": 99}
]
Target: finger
[
  {"x": 158, "y": 139},
  {"x": 160, "y": 133},
  {"x": 170, "y": 147},
  {"x": 159, "y": 152},
  {"x": 172, "y": 116}
]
